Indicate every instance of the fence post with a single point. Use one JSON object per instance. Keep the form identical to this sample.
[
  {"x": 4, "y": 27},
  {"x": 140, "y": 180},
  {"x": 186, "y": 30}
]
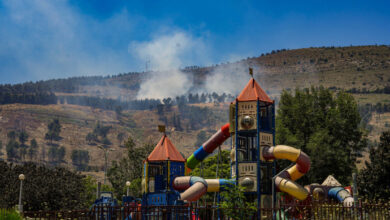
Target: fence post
[
  {"x": 98, "y": 190},
  {"x": 354, "y": 189}
]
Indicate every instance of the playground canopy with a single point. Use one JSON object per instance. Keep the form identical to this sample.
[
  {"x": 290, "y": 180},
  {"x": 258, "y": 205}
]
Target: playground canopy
[
  {"x": 164, "y": 151},
  {"x": 253, "y": 92}
]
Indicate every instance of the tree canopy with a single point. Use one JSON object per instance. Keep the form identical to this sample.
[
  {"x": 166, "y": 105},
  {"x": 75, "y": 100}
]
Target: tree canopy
[
  {"x": 208, "y": 168},
  {"x": 324, "y": 125},
  {"x": 374, "y": 180},
  {"x": 54, "y": 130},
  {"x": 43, "y": 189},
  {"x": 80, "y": 159},
  {"x": 129, "y": 168}
]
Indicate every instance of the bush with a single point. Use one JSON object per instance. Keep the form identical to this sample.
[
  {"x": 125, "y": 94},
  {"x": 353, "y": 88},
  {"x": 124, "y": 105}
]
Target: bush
[
  {"x": 9, "y": 214},
  {"x": 43, "y": 189},
  {"x": 235, "y": 205}
]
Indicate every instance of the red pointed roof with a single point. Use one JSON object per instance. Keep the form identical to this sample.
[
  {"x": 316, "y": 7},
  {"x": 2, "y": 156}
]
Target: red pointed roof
[
  {"x": 252, "y": 92},
  {"x": 165, "y": 150}
]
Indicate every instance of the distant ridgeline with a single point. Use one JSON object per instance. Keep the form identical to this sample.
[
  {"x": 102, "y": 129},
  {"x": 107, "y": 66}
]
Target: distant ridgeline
[
  {"x": 72, "y": 84},
  {"x": 42, "y": 93},
  {"x": 362, "y": 62},
  {"x": 13, "y": 94}
]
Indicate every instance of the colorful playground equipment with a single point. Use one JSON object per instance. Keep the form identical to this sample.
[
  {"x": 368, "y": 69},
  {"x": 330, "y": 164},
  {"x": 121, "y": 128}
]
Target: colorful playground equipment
[
  {"x": 167, "y": 176},
  {"x": 252, "y": 129},
  {"x": 332, "y": 189}
]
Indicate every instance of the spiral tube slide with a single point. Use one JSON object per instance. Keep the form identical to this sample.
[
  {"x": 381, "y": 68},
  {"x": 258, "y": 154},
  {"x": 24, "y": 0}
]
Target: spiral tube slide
[
  {"x": 342, "y": 195},
  {"x": 208, "y": 147},
  {"x": 195, "y": 187},
  {"x": 285, "y": 181}
]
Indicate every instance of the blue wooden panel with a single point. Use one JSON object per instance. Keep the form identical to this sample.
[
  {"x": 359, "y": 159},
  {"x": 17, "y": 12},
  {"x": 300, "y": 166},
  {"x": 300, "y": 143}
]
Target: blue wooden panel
[
  {"x": 159, "y": 183},
  {"x": 157, "y": 199}
]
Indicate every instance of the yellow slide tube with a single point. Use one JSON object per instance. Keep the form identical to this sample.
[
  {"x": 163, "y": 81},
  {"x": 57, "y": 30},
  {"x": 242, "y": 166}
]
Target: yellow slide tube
[
  {"x": 213, "y": 185},
  {"x": 286, "y": 152},
  {"x": 292, "y": 188},
  {"x": 285, "y": 181},
  {"x": 294, "y": 173}
]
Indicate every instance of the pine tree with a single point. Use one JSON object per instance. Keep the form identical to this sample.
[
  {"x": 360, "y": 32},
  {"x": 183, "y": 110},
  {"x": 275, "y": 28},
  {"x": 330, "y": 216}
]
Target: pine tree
[
  {"x": 12, "y": 149},
  {"x": 374, "y": 180},
  {"x": 54, "y": 130},
  {"x": 11, "y": 135},
  {"x": 80, "y": 159},
  {"x": 32, "y": 150},
  {"x": 23, "y": 137}
]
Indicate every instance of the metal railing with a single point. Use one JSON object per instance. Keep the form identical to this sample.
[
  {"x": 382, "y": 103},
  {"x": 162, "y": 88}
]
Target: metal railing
[{"x": 284, "y": 211}]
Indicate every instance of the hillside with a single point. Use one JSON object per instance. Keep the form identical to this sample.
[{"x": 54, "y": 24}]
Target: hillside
[
  {"x": 363, "y": 67},
  {"x": 362, "y": 70},
  {"x": 78, "y": 121}
]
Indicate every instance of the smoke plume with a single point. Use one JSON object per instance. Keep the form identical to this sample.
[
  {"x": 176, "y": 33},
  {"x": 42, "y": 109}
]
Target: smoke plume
[{"x": 165, "y": 55}]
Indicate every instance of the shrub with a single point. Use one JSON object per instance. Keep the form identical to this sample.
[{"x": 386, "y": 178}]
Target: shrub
[{"x": 9, "y": 214}]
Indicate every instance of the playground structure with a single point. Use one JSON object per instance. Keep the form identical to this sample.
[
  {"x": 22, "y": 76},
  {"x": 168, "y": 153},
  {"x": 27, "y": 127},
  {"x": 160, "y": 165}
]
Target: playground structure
[{"x": 166, "y": 174}]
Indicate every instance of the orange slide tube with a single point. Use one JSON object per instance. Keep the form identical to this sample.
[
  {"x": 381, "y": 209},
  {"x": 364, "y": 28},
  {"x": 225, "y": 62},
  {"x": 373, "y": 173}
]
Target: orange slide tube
[{"x": 285, "y": 181}]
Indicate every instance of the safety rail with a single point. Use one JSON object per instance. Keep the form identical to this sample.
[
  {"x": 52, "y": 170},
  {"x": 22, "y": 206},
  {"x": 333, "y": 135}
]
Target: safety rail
[{"x": 285, "y": 211}]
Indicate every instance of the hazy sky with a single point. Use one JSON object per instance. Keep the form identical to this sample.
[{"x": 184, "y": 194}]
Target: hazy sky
[{"x": 44, "y": 39}]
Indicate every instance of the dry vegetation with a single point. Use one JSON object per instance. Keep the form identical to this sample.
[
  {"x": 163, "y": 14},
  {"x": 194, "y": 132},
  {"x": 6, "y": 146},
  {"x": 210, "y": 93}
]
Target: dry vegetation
[
  {"x": 365, "y": 67},
  {"x": 78, "y": 121}
]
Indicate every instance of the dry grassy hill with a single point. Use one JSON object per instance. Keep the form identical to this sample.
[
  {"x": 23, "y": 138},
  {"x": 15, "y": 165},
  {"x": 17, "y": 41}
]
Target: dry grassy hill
[
  {"x": 364, "y": 68},
  {"x": 78, "y": 121},
  {"x": 361, "y": 67}
]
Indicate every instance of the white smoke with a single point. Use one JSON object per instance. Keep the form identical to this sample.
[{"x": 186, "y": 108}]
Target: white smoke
[
  {"x": 166, "y": 55},
  {"x": 228, "y": 78}
]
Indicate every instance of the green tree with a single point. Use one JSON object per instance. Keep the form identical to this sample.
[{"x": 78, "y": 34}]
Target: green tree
[
  {"x": 129, "y": 168},
  {"x": 23, "y": 137},
  {"x": 99, "y": 135},
  {"x": 326, "y": 127},
  {"x": 61, "y": 154},
  {"x": 101, "y": 130},
  {"x": 235, "y": 205},
  {"x": 91, "y": 138},
  {"x": 80, "y": 159},
  {"x": 208, "y": 168},
  {"x": 12, "y": 149},
  {"x": 91, "y": 187},
  {"x": 56, "y": 154},
  {"x": 374, "y": 180},
  {"x": 106, "y": 142},
  {"x": 54, "y": 130},
  {"x": 11, "y": 135},
  {"x": 33, "y": 149},
  {"x": 43, "y": 189},
  {"x": 22, "y": 152}
]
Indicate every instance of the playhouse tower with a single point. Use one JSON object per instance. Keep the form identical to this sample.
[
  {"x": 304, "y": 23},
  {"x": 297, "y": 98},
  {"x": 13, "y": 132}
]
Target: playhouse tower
[
  {"x": 162, "y": 166},
  {"x": 252, "y": 124}
]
